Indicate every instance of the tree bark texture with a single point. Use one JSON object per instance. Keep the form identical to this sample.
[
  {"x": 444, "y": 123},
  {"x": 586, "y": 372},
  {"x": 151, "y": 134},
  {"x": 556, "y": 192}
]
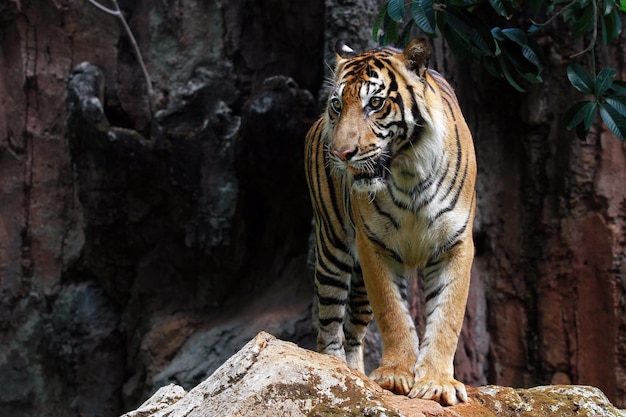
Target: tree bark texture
[{"x": 144, "y": 245}]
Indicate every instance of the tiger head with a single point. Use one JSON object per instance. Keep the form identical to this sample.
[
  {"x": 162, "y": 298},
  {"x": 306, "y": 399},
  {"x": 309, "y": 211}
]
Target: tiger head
[{"x": 374, "y": 110}]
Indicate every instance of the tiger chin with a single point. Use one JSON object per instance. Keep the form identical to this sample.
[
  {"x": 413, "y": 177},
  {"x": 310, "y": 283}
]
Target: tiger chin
[{"x": 391, "y": 172}]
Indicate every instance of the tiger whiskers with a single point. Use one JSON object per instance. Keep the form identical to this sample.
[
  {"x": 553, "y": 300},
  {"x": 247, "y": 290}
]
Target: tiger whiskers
[
  {"x": 336, "y": 166},
  {"x": 369, "y": 167},
  {"x": 385, "y": 156}
]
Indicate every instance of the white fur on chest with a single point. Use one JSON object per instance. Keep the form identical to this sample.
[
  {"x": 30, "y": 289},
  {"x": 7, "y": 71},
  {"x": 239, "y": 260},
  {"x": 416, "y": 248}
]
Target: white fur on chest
[{"x": 411, "y": 234}]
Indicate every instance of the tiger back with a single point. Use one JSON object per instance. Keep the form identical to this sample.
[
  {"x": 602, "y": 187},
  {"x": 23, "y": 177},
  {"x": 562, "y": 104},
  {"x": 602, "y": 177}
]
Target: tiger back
[{"x": 391, "y": 171}]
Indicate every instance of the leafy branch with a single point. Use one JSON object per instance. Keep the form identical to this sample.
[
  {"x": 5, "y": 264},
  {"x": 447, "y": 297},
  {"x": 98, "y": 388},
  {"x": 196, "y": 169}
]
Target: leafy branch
[
  {"x": 512, "y": 53},
  {"x": 117, "y": 12},
  {"x": 609, "y": 99}
]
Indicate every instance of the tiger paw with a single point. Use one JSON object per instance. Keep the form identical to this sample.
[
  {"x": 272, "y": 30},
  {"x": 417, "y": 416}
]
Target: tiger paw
[
  {"x": 394, "y": 378},
  {"x": 444, "y": 391}
]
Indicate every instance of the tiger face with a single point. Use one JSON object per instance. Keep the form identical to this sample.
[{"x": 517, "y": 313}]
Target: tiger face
[{"x": 368, "y": 117}]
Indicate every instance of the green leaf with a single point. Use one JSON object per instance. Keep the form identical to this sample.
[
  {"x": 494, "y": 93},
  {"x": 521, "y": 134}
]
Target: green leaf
[
  {"x": 405, "y": 36},
  {"x": 619, "y": 86},
  {"x": 424, "y": 16},
  {"x": 622, "y": 5},
  {"x": 580, "y": 79},
  {"x": 582, "y": 112},
  {"x": 498, "y": 6},
  {"x": 584, "y": 23},
  {"x": 395, "y": 10},
  {"x": 459, "y": 46},
  {"x": 531, "y": 54},
  {"x": 580, "y": 116},
  {"x": 618, "y": 103},
  {"x": 391, "y": 30},
  {"x": 611, "y": 27},
  {"x": 590, "y": 117},
  {"x": 472, "y": 30},
  {"x": 496, "y": 32},
  {"x": 613, "y": 120},
  {"x": 385, "y": 29},
  {"x": 378, "y": 22},
  {"x": 581, "y": 132},
  {"x": 529, "y": 48},
  {"x": 516, "y": 35},
  {"x": 529, "y": 76},
  {"x": 508, "y": 76},
  {"x": 604, "y": 80}
]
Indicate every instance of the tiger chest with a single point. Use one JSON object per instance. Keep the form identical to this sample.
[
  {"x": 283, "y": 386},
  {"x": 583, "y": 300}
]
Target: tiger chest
[{"x": 406, "y": 237}]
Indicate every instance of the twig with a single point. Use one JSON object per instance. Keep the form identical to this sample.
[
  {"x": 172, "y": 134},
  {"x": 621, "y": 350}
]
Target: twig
[
  {"x": 555, "y": 15},
  {"x": 594, "y": 34},
  {"x": 118, "y": 13}
]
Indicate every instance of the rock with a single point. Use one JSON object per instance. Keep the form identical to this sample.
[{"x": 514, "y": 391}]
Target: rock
[
  {"x": 552, "y": 400},
  {"x": 270, "y": 377},
  {"x": 161, "y": 399}
]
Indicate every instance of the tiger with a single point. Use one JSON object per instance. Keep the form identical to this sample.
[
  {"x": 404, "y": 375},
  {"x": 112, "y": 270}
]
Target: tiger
[{"x": 391, "y": 172}]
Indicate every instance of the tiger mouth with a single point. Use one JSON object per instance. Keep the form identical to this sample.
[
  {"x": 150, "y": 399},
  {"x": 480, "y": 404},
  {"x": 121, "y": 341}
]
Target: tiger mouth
[{"x": 373, "y": 170}]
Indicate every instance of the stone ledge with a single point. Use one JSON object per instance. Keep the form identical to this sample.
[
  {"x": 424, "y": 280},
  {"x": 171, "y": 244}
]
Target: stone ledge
[{"x": 270, "y": 377}]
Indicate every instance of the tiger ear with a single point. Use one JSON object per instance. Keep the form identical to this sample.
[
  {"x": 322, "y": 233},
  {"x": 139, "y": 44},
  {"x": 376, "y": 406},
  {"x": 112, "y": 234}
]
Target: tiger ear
[
  {"x": 343, "y": 51},
  {"x": 416, "y": 56}
]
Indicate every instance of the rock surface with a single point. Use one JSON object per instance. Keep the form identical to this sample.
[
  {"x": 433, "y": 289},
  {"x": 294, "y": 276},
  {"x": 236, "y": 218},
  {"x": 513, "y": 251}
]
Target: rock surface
[{"x": 270, "y": 377}]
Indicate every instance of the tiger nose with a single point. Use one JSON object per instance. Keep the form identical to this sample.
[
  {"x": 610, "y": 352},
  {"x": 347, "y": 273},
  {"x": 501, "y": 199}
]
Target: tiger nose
[{"x": 345, "y": 154}]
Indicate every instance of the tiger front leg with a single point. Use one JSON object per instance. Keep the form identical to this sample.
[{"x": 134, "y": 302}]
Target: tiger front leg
[
  {"x": 400, "y": 342},
  {"x": 446, "y": 288}
]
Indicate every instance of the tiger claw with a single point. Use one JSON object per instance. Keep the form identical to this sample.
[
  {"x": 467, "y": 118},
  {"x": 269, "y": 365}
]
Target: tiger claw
[
  {"x": 394, "y": 378},
  {"x": 445, "y": 392}
]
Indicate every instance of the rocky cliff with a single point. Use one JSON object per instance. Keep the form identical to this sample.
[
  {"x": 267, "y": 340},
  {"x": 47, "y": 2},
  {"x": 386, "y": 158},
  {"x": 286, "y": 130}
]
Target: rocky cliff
[{"x": 269, "y": 377}]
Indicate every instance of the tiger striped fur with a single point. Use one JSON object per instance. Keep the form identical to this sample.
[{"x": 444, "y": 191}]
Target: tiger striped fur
[{"x": 391, "y": 171}]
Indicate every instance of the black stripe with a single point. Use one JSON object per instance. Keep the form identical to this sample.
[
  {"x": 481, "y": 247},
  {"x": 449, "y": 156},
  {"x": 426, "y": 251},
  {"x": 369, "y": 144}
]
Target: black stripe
[
  {"x": 359, "y": 303},
  {"x": 331, "y": 343},
  {"x": 386, "y": 215},
  {"x": 364, "y": 312},
  {"x": 330, "y": 301},
  {"x": 432, "y": 263},
  {"x": 378, "y": 63},
  {"x": 393, "y": 84},
  {"x": 372, "y": 236},
  {"x": 330, "y": 320},
  {"x": 320, "y": 202},
  {"x": 331, "y": 191},
  {"x": 332, "y": 258},
  {"x": 359, "y": 322},
  {"x": 459, "y": 158},
  {"x": 432, "y": 294},
  {"x": 451, "y": 243},
  {"x": 454, "y": 200},
  {"x": 399, "y": 204},
  {"x": 330, "y": 281},
  {"x": 428, "y": 80}
]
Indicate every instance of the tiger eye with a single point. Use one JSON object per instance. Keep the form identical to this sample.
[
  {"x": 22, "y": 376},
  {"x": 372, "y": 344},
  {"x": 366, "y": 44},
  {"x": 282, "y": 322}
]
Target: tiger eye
[
  {"x": 335, "y": 104},
  {"x": 376, "y": 103}
]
